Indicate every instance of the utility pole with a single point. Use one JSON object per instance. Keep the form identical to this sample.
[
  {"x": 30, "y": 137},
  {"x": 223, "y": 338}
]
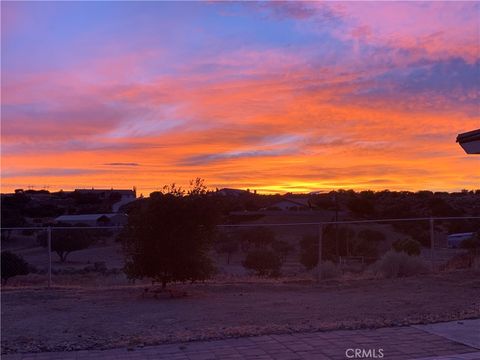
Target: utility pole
[
  {"x": 49, "y": 239},
  {"x": 432, "y": 242},
  {"x": 337, "y": 250}
]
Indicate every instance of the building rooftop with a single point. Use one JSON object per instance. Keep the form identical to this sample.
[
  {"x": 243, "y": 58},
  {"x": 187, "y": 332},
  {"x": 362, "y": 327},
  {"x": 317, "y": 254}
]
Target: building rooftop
[
  {"x": 83, "y": 217},
  {"x": 470, "y": 141},
  {"x": 469, "y": 136}
]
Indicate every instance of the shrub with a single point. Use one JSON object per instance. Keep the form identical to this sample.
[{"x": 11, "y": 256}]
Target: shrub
[
  {"x": 399, "y": 264},
  {"x": 263, "y": 262},
  {"x": 282, "y": 248},
  {"x": 409, "y": 246},
  {"x": 12, "y": 265}
]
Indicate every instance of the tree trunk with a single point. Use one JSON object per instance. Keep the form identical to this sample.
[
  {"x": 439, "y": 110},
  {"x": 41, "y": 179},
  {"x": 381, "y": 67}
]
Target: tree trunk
[{"x": 63, "y": 256}]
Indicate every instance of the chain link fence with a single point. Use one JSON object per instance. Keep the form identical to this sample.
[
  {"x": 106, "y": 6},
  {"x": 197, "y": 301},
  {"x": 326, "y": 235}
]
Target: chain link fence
[
  {"x": 65, "y": 256},
  {"x": 93, "y": 256}
]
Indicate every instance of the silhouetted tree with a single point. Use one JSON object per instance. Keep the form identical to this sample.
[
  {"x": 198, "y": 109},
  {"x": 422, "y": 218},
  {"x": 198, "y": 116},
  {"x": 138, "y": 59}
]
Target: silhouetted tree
[
  {"x": 12, "y": 265},
  {"x": 409, "y": 246},
  {"x": 258, "y": 237},
  {"x": 169, "y": 234},
  {"x": 309, "y": 251},
  {"x": 361, "y": 206},
  {"x": 440, "y": 207},
  {"x": 43, "y": 211},
  {"x": 66, "y": 241},
  {"x": 263, "y": 262},
  {"x": 227, "y": 244},
  {"x": 367, "y": 243},
  {"x": 12, "y": 214},
  {"x": 282, "y": 248}
]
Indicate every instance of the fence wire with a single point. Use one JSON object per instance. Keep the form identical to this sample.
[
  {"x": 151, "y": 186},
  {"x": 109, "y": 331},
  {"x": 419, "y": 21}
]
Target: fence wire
[{"x": 98, "y": 260}]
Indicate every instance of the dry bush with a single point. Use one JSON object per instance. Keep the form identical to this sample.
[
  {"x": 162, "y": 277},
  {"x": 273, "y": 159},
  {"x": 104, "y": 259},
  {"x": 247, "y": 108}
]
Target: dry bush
[{"x": 399, "y": 264}]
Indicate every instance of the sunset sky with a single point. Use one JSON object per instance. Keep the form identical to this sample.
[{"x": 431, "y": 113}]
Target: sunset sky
[{"x": 270, "y": 96}]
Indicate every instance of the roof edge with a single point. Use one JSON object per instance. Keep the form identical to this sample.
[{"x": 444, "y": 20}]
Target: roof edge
[{"x": 469, "y": 136}]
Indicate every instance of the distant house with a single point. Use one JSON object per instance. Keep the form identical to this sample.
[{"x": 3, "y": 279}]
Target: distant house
[
  {"x": 106, "y": 193},
  {"x": 94, "y": 219},
  {"x": 231, "y": 192},
  {"x": 454, "y": 240},
  {"x": 470, "y": 141},
  {"x": 123, "y": 196},
  {"x": 291, "y": 205}
]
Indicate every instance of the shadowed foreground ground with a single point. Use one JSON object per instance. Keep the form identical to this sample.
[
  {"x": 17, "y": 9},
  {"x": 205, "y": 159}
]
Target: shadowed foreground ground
[{"x": 67, "y": 319}]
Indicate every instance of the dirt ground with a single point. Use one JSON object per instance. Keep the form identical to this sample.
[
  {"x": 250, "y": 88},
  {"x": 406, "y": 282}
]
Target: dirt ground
[{"x": 74, "y": 318}]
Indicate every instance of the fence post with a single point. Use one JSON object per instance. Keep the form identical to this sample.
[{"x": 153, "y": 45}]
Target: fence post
[
  {"x": 319, "y": 264},
  {"x": 49, "y": 236},
  {"x": 432, "y": 242}
]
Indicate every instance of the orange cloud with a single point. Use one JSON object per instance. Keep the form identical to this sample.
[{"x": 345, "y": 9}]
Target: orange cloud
[{"x": 272, "y": 118}]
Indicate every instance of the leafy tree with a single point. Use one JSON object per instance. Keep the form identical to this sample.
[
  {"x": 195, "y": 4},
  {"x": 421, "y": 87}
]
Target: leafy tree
[
  {"x": 409, "y": 246},
  {"x": 309, "y": 251},
  {"x": 65, "y": 241},
  {"x": 361, "y": 206},
  {"x": 440, "y": 207},
  {"x": 259, "y": 237},
  {"x": 282, "y": 248},
  {"x": 417, "y": 230},
  {"x": 332, "y": 244},
  {"x": 367, "y": 243},
  {"x": 264, "y": 262},
  {"x": 169, "y": 234},
  {"x": 12, "y": 214},
  {"x": 12, "y": 265},
  {"x": 9, "y": 219},
  {"x": 43, "y": 211},
  {"x": 309, "y": 245}
]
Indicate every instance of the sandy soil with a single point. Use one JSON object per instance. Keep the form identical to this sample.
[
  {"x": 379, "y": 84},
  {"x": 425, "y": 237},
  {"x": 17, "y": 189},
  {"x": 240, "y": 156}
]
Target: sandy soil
[{"x": 75, "y": 318}]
